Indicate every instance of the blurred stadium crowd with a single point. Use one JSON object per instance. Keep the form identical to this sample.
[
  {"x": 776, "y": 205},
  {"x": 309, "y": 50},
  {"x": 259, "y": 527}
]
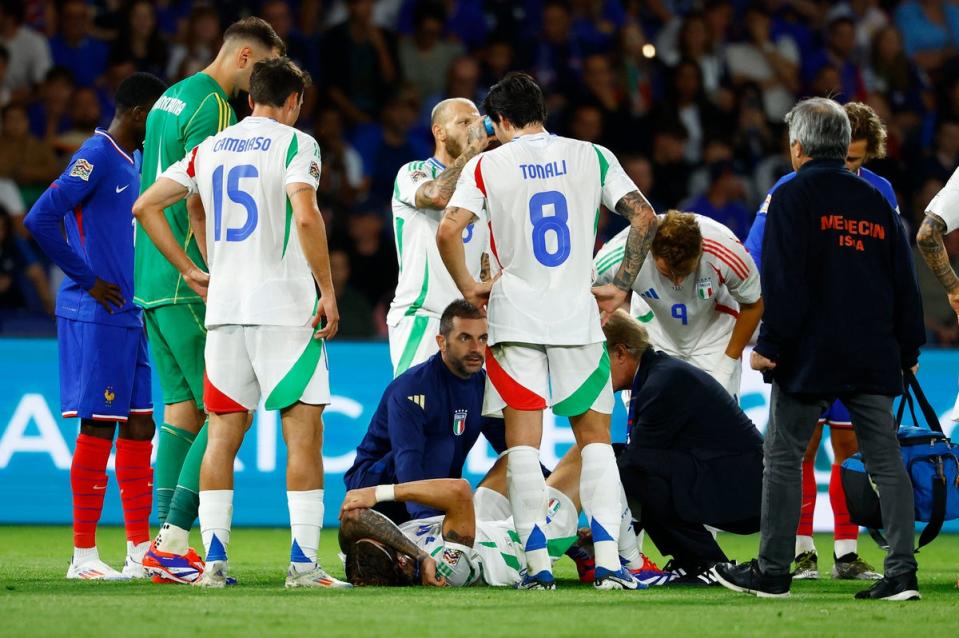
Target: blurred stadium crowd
[{"x": 689, "y": 94}]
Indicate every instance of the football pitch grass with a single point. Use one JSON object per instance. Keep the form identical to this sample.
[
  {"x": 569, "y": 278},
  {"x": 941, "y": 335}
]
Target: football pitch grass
[{"x": 35, "y": 599}]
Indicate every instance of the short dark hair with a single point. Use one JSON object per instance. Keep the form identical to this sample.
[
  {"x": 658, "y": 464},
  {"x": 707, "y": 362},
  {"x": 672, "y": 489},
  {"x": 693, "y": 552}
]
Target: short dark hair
[
  {"x": 139, "y": 89},
  {"x": 16, "y": 9},
  {"x": 274, "y": 79},
  {"x": 59, "y": 73},
  {"x": 372, "y": 564},
  {"x": 518, "y": 98},
  {"x": 256, "y": 29},
  {"x": 459, "y": 308},
  {"x": 4, "y": 53}
]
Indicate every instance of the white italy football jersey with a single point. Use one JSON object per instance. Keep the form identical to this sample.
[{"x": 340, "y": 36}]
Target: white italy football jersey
[
  {"x": 696, "y": 317},
  {"x": 425, "y": 286},
  {"x": 540, "y": 195},
  {"x": 945, "y": 204},
  {"x": 258, "y": 274}
]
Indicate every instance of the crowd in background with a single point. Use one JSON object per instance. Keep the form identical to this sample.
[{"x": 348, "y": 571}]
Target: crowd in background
[{"x": 689, "y": 94}]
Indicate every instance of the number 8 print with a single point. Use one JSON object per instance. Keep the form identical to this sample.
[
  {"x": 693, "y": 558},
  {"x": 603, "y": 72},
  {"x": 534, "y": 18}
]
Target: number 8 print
[{"x": 542, "y": 224}]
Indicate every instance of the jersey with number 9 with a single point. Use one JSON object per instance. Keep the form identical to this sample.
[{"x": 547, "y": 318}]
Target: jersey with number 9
[
  {"x": 541, "y": 195},
  {"x": 258, "y": 273}
]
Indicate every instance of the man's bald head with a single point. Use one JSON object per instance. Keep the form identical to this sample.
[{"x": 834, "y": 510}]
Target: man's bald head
[{"x": 450, "y": 121}]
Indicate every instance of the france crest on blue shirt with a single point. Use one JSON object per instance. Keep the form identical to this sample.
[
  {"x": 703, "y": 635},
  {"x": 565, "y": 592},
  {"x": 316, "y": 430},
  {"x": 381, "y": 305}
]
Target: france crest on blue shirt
[{"x": 459, "y": 422}]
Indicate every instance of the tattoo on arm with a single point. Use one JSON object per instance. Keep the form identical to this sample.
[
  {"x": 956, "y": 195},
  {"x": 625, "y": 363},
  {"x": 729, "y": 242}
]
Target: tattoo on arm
[
  {"x": 299, "y": 190},
  {"x": 453, "y": 536},
  {"x": 372, "y": 524},
  {"x": 437, "y": 193},
  {"x": 929, "y": 241},
  {"x": 643, "y": 221}
]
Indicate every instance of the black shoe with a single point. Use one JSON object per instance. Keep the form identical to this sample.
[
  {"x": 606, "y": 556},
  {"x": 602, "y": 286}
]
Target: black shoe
[
  {"x": 747, "y": 578},
  {"x": 683, "y": 576},
  {"x": 901, "y": 587}
]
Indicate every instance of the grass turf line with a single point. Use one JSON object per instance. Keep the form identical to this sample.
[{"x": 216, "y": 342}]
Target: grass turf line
[{"x": 36, "y": 600}]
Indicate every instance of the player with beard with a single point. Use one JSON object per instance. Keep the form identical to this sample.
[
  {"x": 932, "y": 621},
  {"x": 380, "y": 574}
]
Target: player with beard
[
  {"x": 430, "y": 416},
  {"x": 421, "y": 192}
]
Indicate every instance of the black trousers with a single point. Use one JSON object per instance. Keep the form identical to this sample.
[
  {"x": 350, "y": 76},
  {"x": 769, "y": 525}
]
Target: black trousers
[{"x": 651, "y": 481}]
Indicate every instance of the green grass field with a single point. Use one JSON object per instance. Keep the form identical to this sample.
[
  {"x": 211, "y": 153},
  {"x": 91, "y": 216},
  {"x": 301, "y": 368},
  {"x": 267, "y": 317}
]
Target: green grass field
[{"x": 35, "y": 600}]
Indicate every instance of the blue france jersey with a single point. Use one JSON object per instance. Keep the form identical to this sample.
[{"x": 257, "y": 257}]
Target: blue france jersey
[
  {"x": 94, "y": 198},
  {"x": 754, "y": 242}
]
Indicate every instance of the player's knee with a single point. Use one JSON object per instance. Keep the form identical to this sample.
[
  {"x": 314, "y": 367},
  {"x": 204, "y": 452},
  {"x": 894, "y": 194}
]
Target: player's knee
[
  {"x": 98, "y": 429},
  {"x": 139, "y": 427}
]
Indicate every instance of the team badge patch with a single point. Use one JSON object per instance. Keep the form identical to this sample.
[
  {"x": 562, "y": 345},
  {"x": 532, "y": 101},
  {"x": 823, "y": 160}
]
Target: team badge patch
[
  {"x": 109, "y": 395},
  {"x": 418, "y": 175},
  {"x": 314, "y": 170},
  {"x": 704, "y": 288},
  {"x": 551, "y": 508},
  {"x": 82, "y": 169},
  {"x": 459, "y": 422}
]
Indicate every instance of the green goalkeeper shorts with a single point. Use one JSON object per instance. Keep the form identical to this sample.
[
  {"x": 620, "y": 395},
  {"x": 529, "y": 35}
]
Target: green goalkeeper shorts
[{"x": 177, "y": 338}]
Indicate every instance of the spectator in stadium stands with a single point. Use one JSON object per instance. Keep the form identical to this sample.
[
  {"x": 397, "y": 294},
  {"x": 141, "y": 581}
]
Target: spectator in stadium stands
[
  {"x": 692, "y": 458},
  {"x": 555, "y": 58},
  {"x": 868, "y": 19},
  {"x": 941, "y": 161},
  {"x": 462, "y": 80},
  {"x": 118, "y": 69},
  {"x": 341, "y": 180},
  {"x": 49, "y": 116},
  {"x": 430, "y": 416},
  {"x": 5, "y": 93},
  {"x": 388, "y": 144},
  {"x": 855, "y": 352},
  {"x": 596, "y": 23},
  {"x": 203, "y": 39},
  {"x": 930, "y": 31},
  {"x": 372, "y": 257},
  {"x": 724, "y": 200},
  {"x": 139, "y": 40},
  {"x": 299, "y": 48},
  {"x": 896, "y": 77},
  {"x": 74, "y": 48},
  {"x": 85, "y": 116},
  {"x": 639, "y": 73},
  {"x": 586, "y": 123},
  {"x": 839, "y": 52},
  {"x": 696, "y": 43},
  {"x": 23, "y": 158},
  {"x": 670, "y": 170},
  {"x": 356, "y": 313},
  {"x": 21, "y": 275},
  {"x": 601, "y": 90},
  {"x": 771, "y": 61},
  {"x": 687, "y": 101},
  {"x": 29, "y": 51},
  {"x": 366, "y": 70},
  {"x": 426, "y": 55},
  {"x": 497, "y": 60}
]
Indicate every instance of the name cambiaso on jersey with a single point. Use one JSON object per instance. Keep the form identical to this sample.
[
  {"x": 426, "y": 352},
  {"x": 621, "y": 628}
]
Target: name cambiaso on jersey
[
  {"x": 540, "y": 195},
  {"x": 425, "y": 286},
  {"x": 699, "y": 314},
  {"x": 258, "y": 273}
]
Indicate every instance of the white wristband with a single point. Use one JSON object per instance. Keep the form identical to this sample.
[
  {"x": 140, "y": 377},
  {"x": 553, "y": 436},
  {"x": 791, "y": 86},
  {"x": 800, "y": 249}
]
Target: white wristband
[{"x": 385, "y": 493}]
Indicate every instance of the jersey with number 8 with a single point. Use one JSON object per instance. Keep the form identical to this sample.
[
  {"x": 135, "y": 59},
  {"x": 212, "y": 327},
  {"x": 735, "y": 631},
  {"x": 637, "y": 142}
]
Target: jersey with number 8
[
  {"x": 540, "y": 195},
  {"x": 258, "y": 273}
]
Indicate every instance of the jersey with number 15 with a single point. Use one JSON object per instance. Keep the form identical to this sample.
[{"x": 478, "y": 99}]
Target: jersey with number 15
[
  {"x": 541, "y": 195},
  {"x": 258, "y": 273}
]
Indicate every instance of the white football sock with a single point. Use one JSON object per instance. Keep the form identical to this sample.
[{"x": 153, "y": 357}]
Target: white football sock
[
  {"x": 85, "y": 554},
  {"x": 628, "y": 543},
  {"x": 306, "y": 521},
  {"x": 527, "y": 498},
  {"x": 600, "y": 490},
  {"x": 804, "y": 544},
  {"x": 137, "y": 551},
  {"x": 216, "y": 516},
  {"x": 846, "y": 546},
  {"x": 173, "y": 539},
  {"x": 639, "y": 540}
]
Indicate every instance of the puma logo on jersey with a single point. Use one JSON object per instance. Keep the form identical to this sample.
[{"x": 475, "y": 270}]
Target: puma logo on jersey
[
  {"x": 418, "y": 399},
  {"x": 120, "y": 190}
]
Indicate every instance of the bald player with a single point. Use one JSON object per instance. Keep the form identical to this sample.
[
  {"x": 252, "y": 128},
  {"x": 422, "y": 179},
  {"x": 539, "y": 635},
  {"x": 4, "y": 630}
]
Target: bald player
[{"x": 421, "y": 192}]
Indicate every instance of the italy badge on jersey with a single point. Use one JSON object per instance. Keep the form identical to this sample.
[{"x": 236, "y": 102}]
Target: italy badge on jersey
[
  {"x": 459, "y": 422},
  {"x": 704, "y": 288}
]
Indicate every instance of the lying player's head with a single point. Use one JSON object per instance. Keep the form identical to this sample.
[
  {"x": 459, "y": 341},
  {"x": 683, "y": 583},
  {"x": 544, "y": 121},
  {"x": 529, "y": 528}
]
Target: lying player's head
[
  {"x": 246, "y": 42},
  {"x": 514, "y": 103},
  {"x": 818, "y": 129},
  {"x": 677, "y": 246},
  {"x": 450, "y": 121},
  {"x": 626, "y": 341},
  {"x": 462, "y": 338},
  {"x": 370, "y": 563},
  {"x": 277, "y": 85},
  {"x": 134, "y": 98},
  {"x": 868, "y": 135}
]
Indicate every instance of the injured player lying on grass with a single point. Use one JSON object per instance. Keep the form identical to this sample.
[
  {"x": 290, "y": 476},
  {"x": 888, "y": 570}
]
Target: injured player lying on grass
[{"x": 474, "y": 541}]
